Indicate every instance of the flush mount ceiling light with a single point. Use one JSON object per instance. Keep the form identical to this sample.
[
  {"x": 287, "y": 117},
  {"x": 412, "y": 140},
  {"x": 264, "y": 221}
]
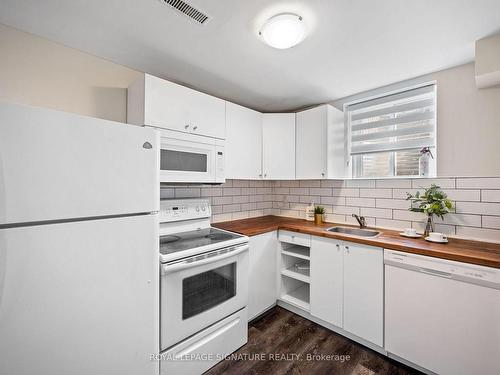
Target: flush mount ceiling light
[{"x": 283, "y": 30}]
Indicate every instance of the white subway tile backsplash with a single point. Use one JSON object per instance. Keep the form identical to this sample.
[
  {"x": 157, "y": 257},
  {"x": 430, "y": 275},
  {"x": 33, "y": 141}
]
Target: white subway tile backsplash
[
  {"x": 384, "y": 213},
  {"x": 382, "y": 201},
  {"x": 361, "y": 183},
  {"x": 398, "y": 204},
  {"x": 320, "y": 191},
  {"x": 402, "y": 193},
  {"x": 392, "y": 224},
  {"x": 464, "y": 195},
  {"x": 241, "y": 183},
  {"x": 408, "y": 215},
  {"x": 345, "y": 192},
  {"x": 461, "y": 219},
  {"x": 231, "y": 208},
  {"x": 478, "y": 208},
  {"x": 375, "y": 193},
  {"x": 222, "y": 200},
  {"x": 443, "y": 183},
  {"x": 232, "y": 191},
  {"x": 188, "y": 193},
  {"x": 167, "y": 193},
  {"x": 479, "y": 233},
  {"x": 334, "y": 218},
  {"x": 478, "y": 183},
  {"x": 281, "y": 190},
  {"x": 394, "y": 183},
  {"x": 332, "y": 183},
  {"x": 345, "y": 210},
  {"x": 241, "y": 199},
  {"x": 336, "y": 201},
  {"x": 211, "y": 192},
  {"x": 492, "y": 222},
  {"x": 361, "y": 202},
  {"x": 310, "y": 183},
  {"x": 490, "y": 195},
  {"x": 298, "y": 191}
]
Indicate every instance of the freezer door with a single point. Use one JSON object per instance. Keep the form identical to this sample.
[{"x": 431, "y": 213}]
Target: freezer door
[
  {"x": 56, "y": 165},
  {"x": 80, "y": 298}
]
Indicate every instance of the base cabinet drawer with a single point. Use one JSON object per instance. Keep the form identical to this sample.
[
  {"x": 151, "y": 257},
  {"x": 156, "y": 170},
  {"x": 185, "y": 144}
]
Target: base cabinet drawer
[
  {"x": 205, "y": 349},
  {"x": 295, "y": 238}
]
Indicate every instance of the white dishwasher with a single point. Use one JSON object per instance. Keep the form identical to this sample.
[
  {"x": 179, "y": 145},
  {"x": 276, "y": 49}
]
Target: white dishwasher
[{"x": 442, "y": 315}]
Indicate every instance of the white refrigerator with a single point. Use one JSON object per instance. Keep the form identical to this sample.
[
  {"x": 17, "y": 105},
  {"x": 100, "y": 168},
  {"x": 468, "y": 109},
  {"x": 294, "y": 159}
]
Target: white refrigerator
[{"x": 78, "y": 244}]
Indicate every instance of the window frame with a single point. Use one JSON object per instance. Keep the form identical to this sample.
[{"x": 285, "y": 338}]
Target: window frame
[{"x": 347, "y": 132}]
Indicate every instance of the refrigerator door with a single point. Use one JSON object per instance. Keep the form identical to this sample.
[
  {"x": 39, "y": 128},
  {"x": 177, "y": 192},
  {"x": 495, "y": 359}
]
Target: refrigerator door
[
  {"x": 56, "y": 165},
  {"x": 80, "y": 298}
]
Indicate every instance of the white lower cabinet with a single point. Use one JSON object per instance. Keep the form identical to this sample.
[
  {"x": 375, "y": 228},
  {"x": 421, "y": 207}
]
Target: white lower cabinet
[
  {"x": 364, "y": 291},
  {"x": 262, "y": 283},
  {"x": 327, "y": 280},
  {"x": 347, "y": 287}
]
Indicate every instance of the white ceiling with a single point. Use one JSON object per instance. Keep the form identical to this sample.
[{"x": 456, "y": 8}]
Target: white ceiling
[{"x": 353, "y": 45}]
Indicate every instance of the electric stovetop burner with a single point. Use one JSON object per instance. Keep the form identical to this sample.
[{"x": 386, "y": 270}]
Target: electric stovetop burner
[{"x": 197, "y": 238}]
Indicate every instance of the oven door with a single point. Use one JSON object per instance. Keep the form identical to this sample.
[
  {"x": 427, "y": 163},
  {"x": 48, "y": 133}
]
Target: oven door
[
  {"x": 199, "y": 291},
  {"x": 190, "y": 159}
]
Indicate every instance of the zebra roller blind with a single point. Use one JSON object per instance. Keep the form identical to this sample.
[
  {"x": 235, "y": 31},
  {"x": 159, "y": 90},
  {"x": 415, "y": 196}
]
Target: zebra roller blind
[{"x": 387, "y": 133}]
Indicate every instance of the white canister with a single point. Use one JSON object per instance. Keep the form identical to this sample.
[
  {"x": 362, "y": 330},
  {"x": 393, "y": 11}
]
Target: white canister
[{"x": 310, "y": 212}]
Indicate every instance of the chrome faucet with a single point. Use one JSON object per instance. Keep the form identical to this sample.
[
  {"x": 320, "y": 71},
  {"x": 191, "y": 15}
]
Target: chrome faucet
[{"x": 361, "y": 220}]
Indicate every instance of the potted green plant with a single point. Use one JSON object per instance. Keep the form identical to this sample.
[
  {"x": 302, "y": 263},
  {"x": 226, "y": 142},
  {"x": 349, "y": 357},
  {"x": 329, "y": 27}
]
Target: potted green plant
[
  {"x": 319, "y": 212},
  {"x": 433, "y": 201}
]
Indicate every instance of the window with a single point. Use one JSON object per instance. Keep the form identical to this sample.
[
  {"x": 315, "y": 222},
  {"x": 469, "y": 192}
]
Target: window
[{"x": 387, "y": 133}]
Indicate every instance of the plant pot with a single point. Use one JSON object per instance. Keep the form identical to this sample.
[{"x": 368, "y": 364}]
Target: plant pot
[{"x": 318, "y": 219}]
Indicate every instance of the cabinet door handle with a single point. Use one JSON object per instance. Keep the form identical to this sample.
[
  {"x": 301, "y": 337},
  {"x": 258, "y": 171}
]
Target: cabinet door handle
[
  {"x": 322, "y": 175},
  {"x": 195, "y": 127},
  {"x": 338, "y": 247},
  {"x": 347, "y": 249},
  {"x": 186, "y": 126},
  {"x": 265, "y": 174}
]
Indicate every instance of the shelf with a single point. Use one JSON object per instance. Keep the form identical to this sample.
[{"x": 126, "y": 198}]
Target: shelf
[
  {"x": 301, "y": 275},
  {"x": 298, "y": 297},
  {"x": 297, "y": 252}
]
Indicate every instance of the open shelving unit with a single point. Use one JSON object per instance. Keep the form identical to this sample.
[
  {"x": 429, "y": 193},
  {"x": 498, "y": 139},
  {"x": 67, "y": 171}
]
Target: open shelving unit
[{"x": 295, "y": 274}]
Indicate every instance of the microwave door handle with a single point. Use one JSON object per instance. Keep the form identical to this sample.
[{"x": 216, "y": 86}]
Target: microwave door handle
[{"x": 166, "y": 269}]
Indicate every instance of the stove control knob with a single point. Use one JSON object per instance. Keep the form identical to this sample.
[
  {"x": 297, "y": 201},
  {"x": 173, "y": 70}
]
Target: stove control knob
[
  {"x": 203, "y": 208},
  {"x": 197, "y": 208}
]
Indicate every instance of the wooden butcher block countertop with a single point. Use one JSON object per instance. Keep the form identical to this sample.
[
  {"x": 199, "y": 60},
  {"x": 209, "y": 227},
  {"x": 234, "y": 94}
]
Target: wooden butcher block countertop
[{"x": 474, "y": 252}]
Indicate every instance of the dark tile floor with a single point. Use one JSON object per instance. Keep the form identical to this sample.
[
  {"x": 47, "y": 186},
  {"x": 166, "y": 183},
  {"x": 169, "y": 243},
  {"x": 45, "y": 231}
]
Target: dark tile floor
[{"x": 281, "y": 342}]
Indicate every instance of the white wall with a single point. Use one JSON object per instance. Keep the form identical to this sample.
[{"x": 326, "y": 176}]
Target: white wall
[
  {"x": 468, "y": 121},
  {"x": 38, "y": 72}
]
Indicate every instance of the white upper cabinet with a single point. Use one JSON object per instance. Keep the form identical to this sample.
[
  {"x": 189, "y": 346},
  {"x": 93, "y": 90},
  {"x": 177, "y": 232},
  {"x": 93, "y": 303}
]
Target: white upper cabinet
[
  {"x": 364, "y": 291},
  {"x": 243, "y": 142},
  {"x": 160, "y": 103},
  {"x": 327, "y": 280},
  {"x": 278, "y": 134},
  {"x": 320, "y": 143}
]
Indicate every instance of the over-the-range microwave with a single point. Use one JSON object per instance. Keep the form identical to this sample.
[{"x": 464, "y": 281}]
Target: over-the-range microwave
[{"x": 191, "y": 158}]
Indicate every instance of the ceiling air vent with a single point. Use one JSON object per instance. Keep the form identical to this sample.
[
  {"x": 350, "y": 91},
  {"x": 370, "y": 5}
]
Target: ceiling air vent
[{"x": 188, "y": 10}]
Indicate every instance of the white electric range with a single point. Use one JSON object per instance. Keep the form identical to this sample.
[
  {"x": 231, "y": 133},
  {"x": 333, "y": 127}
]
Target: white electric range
[{"x": 203, "y": 288}]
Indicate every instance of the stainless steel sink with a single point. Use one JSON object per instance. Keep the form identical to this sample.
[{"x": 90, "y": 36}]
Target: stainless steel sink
[{"x": 354, "y": 231}]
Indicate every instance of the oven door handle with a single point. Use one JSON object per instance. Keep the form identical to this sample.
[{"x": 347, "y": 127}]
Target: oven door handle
[{"x": 175, "y": 267}]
